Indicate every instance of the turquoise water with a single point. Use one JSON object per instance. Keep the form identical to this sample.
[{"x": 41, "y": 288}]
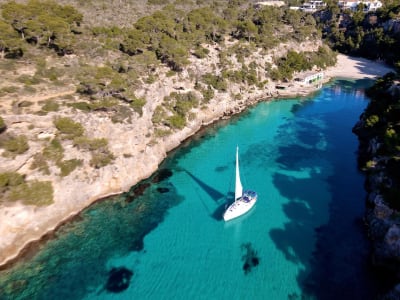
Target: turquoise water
[{"x": 303, "y": 239}]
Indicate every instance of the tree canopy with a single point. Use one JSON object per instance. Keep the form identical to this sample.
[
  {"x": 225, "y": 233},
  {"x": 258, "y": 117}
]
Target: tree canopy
[{"x": 44, "y": 23}]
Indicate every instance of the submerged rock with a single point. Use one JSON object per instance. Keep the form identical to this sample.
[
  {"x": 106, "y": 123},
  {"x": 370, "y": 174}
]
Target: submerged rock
[
  {"x": 118, "y": 279},
  {"x": 162, "y": 190},
  {"x": 250, "y": 258},
  {"x": 161, "y": 175}
]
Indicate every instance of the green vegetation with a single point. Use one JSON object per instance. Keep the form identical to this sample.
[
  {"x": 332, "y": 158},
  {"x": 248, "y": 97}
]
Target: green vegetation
[
  {"x": 90, "y": 144},
  {"x": 8, "y": 90},
  {"x": 68, "y": 128},
  {"x": 363, "y": 34},
  {"x": 101, "y": 155},
  {"x": 137, "y": 105},
  {"x": 42, "y": 23},
  {"x": 101, "y": 159},
  {"x": 302, "y": 61},
  {"x": 112, "y": 62},
  {"x": 39, "y": 193},
  {"x": 54, "y": 151},
  {"x": 174, "y": 111},
  {"x": 50, "y": 105},
  {"x": 14, "y": 145},
  {"x": 13, "y": 187},
  {"x": 217, "y": 82},
  {"x": 67, "y": 166},
  {"x": 10, "y": 179},
  {"x": 381, "y": 123}
]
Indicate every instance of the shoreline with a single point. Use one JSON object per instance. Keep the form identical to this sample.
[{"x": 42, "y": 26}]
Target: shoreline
[{"x": 346, "y": 67}]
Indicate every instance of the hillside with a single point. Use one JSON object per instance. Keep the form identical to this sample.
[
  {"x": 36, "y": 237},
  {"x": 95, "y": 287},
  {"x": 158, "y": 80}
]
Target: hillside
[{"x": 87, "y": 111}]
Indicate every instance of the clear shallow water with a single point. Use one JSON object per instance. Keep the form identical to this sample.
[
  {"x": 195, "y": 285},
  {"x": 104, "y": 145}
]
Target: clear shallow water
[{"x": 303, "y": 238}]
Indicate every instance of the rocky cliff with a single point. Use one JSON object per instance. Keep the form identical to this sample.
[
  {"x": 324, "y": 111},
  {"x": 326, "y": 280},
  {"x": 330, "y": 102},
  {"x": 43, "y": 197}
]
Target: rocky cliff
[{"x": 379, "y": 157}]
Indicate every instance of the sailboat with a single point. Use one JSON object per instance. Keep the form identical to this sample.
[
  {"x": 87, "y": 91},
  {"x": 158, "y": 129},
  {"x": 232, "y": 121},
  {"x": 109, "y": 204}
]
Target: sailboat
[{"x": 244, "y": 200}]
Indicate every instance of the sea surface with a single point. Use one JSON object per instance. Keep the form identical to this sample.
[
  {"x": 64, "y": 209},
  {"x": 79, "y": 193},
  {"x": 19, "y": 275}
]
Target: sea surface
[{"x": 166, "y": 239}]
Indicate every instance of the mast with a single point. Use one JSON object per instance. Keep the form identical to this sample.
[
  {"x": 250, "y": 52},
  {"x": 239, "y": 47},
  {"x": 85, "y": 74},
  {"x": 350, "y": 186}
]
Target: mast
[{"x": 238, "y": 184}]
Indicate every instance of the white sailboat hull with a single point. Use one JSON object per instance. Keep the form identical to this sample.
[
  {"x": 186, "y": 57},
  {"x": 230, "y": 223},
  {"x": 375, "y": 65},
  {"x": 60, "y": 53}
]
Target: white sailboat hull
[{"x": 240, "y": 206}]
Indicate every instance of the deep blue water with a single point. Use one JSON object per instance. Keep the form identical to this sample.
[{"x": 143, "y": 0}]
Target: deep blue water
[{"x": 165, "y": 238}]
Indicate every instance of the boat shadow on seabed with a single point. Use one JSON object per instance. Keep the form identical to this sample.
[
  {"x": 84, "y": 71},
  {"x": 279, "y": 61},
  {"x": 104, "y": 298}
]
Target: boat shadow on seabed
[{"x": 220, "y": 199}]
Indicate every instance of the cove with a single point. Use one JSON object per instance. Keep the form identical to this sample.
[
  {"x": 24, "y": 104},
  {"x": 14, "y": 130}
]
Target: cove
[{"x": 165, "y": 238}]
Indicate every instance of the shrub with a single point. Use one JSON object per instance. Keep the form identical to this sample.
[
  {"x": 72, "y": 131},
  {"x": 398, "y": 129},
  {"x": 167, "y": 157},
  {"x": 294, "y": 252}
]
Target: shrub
[
  {"x": 84, "y": 106},
  {"x": 68, "y": 127},
  {"x": 90, "y": 144},
  {"x": 38, "y": 193},
  {"x": 176, "y": 121},
  {"x": 9, "y": 179},
  {"x": 137, "y": 105},
  {"x": 162, "y": 132},
  {"x": 201, "y": 52},
  {"x": 208, "y": 94},
  {"x": 217, "y": 82},
  {"x": 8, "y": 90},
  {"x": 15, "y": 145},
  {"x": 67, "y": 166},
  {"x": 101, "y": 159},
  {"x": 50, "y": 105},
  {"x": 372, "y": 120},
  {"x": 54, "y": 151}
]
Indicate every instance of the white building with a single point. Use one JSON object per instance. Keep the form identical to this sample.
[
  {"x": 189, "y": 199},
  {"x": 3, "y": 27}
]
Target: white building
[
  {"x": 368, "y": 5},
  {"x": 311, "y": 6},
  {"x": 269, "y": 3},
  {"x": 312, "y": 78}
]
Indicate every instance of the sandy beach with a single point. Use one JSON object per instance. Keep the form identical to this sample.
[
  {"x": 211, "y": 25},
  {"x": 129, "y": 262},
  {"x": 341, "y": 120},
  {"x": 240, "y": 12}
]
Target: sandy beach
[
  {"x": 357, "y": 68},
  {"x": 346, "y": 67}
]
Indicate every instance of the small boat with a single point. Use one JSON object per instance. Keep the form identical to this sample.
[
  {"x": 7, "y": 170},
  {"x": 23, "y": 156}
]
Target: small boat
[{"x": 244, "y": 200}]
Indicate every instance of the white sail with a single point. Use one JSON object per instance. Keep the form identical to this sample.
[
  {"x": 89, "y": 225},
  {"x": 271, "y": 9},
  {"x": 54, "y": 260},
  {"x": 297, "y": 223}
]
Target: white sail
[
  {"x": 244, "y": 200},
  {"x": 238, "y": 184}
]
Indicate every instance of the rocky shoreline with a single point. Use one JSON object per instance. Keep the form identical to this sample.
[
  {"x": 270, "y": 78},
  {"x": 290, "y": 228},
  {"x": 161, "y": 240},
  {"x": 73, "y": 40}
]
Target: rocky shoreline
[
  {"x": 377, "y": 158},
  {"x": 137, "y": 157}
]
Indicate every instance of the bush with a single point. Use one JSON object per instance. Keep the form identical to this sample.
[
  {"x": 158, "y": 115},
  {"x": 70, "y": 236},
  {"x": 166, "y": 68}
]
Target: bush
[
  {"x": 217, "y": 82},
  {"x": 84, "y": 106},
  {"x": 101, "y": 159},
  {"x": 208, "y": 94},
  {"x": 50, "y": 105},
  {"x": 15, "y": 145},
  {"x": 90, "y": 144},
  {"x": 176, "y": 121},
  {"x": 67, "y": 166},
  {"x": 8, "y": 90},
  {"x": 9, "y": 179},
  {"x": 137, "y": 105},
  {"x": 162, "y": 132},
  {"x": 371, "y": 121},
  {"x": 38, "y": 193},
  {"x": 54, "y": 151},
  {"x": 69, "y": 128}
]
